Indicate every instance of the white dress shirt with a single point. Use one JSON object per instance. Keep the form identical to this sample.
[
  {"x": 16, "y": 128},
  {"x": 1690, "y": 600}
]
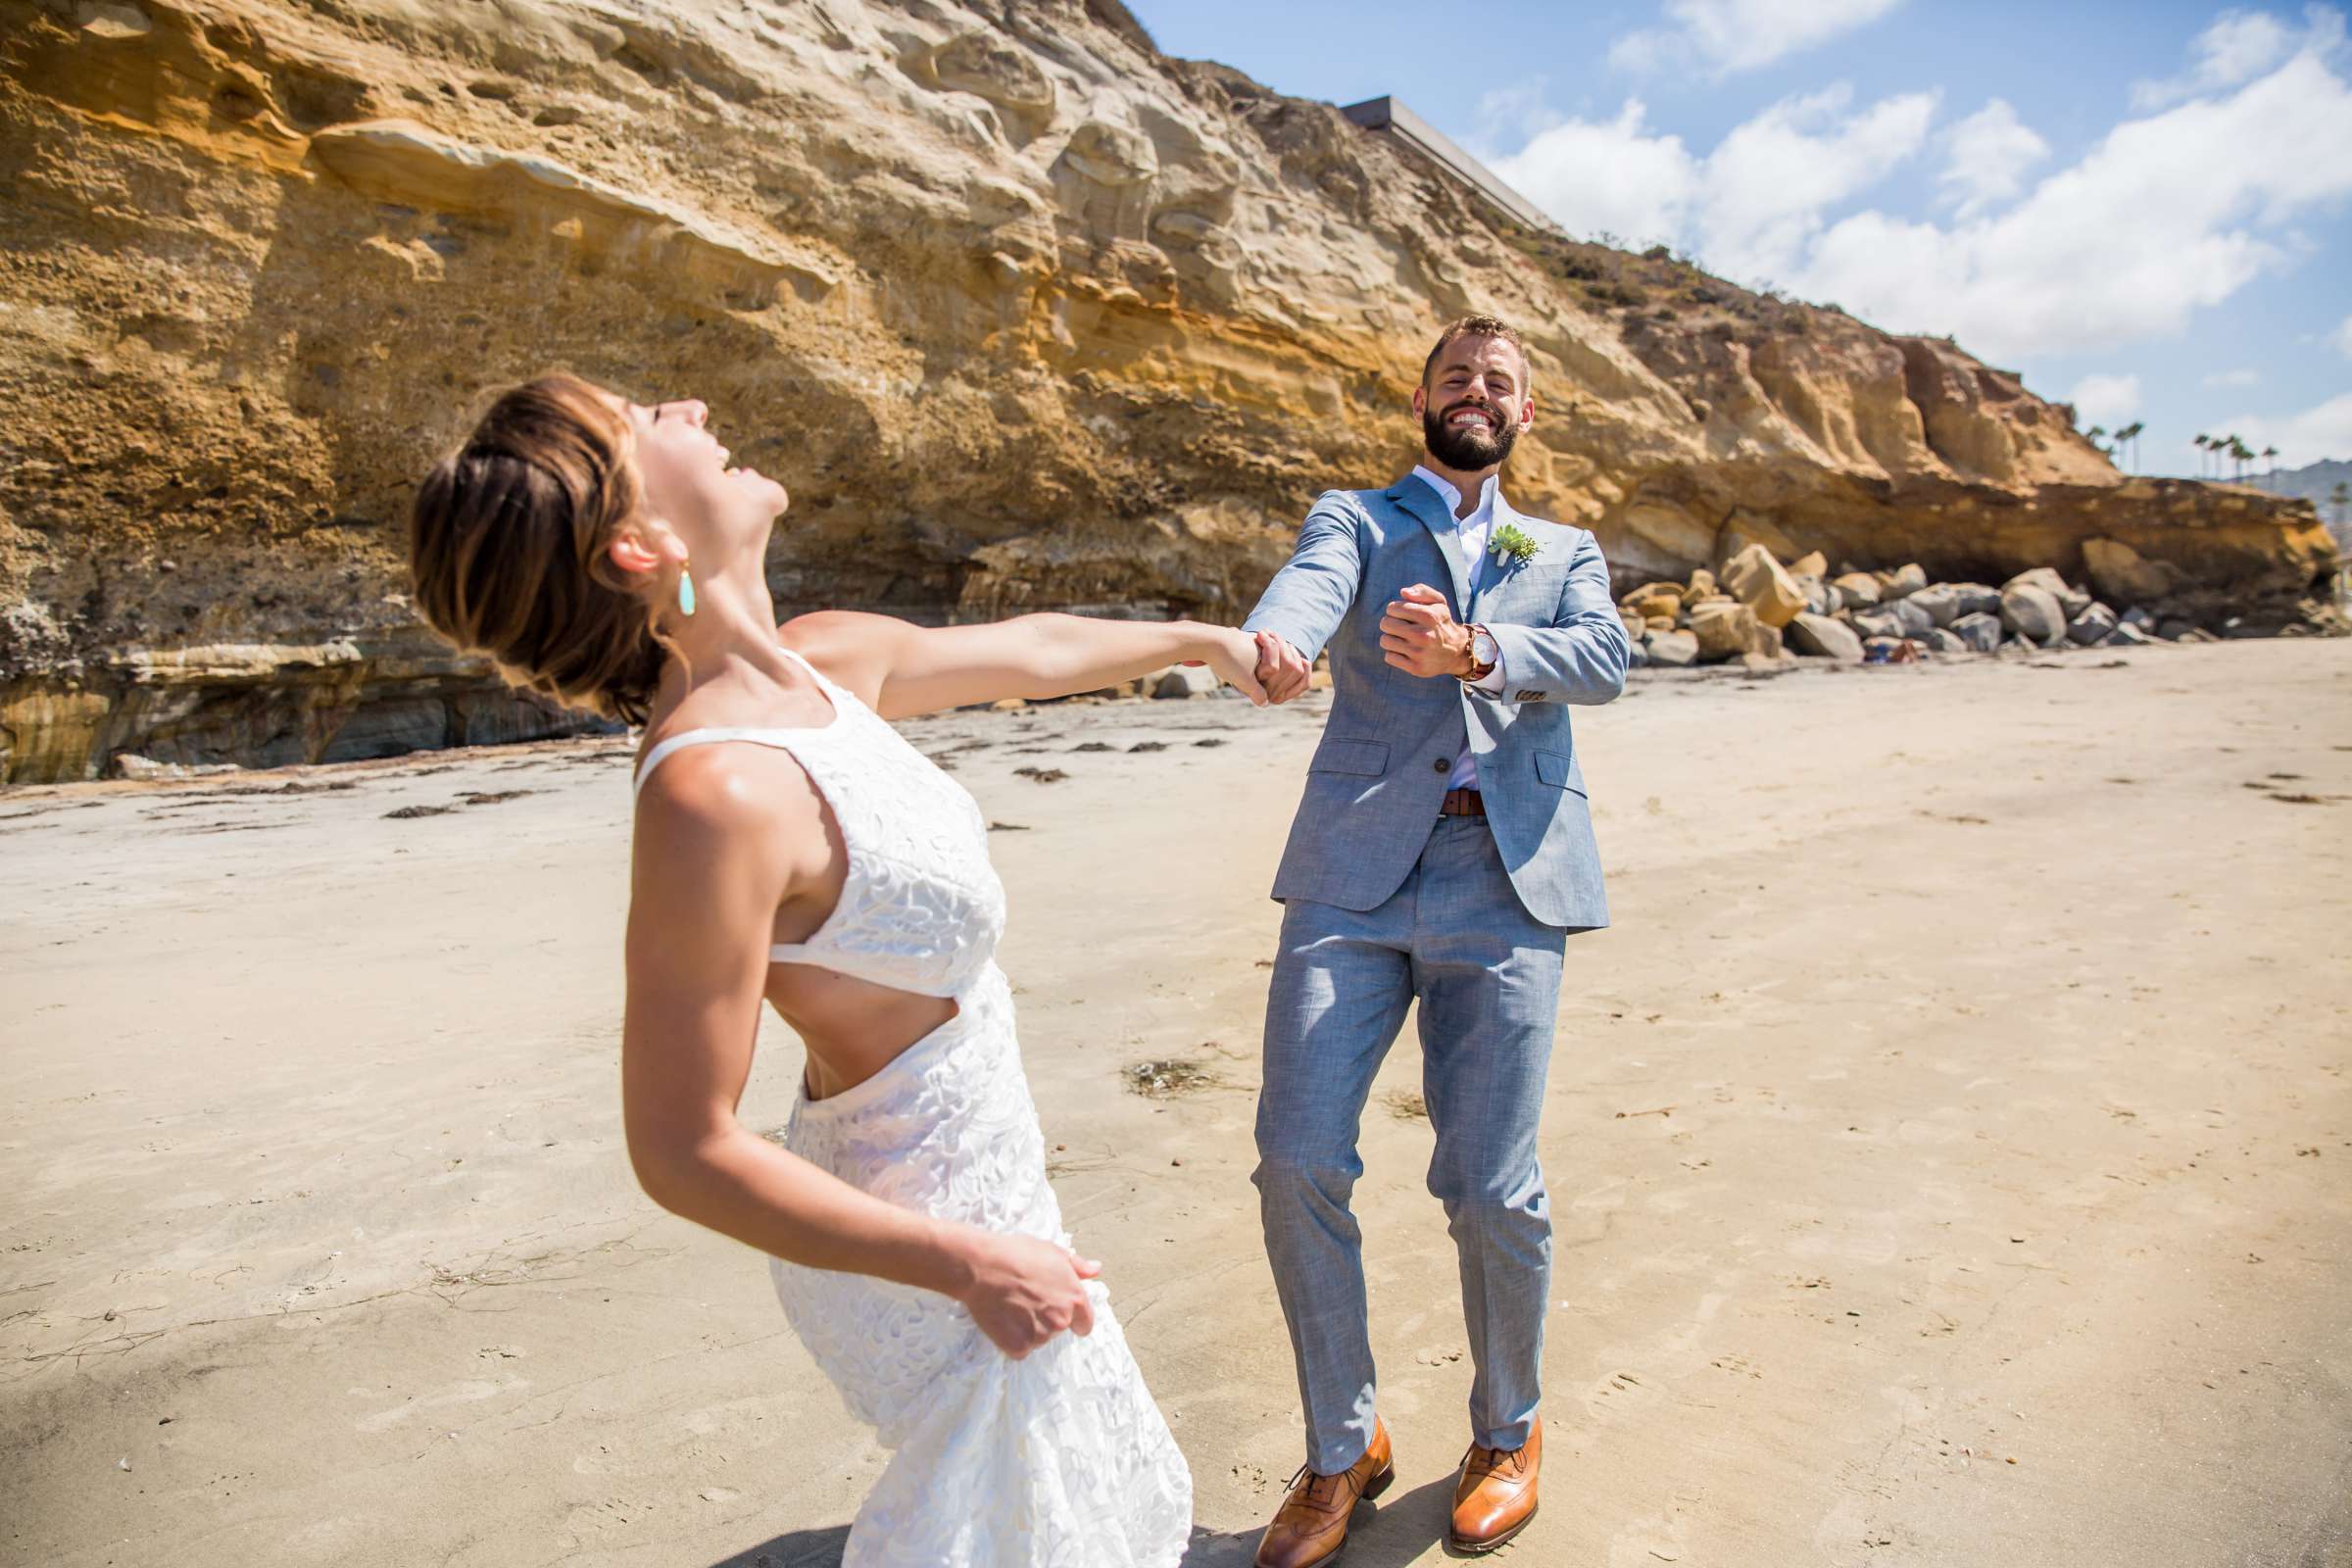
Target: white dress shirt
[{"x": 1471, "y": 533}]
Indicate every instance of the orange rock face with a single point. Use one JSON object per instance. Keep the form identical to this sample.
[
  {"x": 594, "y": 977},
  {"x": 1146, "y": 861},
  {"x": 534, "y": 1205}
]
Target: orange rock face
[{"x": 1024, "y": 313}]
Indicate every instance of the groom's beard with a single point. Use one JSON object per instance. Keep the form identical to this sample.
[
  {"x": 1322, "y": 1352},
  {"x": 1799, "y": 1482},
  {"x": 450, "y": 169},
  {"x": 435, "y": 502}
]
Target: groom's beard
[{"x": 1467, "y": 448}]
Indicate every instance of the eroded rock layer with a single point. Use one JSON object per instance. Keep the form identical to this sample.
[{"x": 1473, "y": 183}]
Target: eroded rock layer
[{"x": 1026, "y": 314}]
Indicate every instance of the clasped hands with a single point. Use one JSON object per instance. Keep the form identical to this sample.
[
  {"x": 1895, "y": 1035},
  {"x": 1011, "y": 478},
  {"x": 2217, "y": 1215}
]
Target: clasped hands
[{"x": 1418, "y": 635}]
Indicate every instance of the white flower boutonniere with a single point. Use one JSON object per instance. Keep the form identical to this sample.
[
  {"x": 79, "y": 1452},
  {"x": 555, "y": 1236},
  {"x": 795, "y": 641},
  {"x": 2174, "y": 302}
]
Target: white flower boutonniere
[{"x": 1510, "y": 546}]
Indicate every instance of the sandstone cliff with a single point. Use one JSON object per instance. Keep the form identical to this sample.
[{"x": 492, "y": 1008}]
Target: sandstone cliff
[{"x": 1026, "y": 314}]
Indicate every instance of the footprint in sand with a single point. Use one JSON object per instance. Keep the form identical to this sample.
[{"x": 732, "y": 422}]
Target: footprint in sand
[
  {"x": 473, "y": 1390},
  {"x": 1647, "y": 1543}
]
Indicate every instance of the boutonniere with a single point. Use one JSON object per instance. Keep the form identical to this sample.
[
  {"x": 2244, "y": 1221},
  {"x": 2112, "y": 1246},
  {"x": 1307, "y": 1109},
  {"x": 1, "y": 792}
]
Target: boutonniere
[{"x": 1511, "y": 547}]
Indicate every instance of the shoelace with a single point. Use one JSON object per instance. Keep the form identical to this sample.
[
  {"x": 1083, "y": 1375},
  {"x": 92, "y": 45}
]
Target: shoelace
[
  {"x": 1488, "y": 1462},
  {"x": 1320, "y": 1499}
]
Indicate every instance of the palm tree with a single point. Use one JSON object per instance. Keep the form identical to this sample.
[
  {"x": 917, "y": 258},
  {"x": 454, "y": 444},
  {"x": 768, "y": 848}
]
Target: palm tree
[
  {"x": 2340, "y": 498},
  {"x": 2270, "y": 454},
  {"x": 2129, "y": 433},
  {"x": 2092, "y": 437},
  {"x": 2203, "y": 443},
  {"x": 2241, "y": 455}
]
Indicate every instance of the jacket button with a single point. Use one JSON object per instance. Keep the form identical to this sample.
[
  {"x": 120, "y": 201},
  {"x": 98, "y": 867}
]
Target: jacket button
[{"x": 1445, "y": 765}]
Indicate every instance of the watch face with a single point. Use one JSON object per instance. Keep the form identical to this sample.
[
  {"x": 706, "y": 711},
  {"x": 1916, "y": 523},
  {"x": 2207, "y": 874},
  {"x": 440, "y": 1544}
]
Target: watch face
[{"x": 1482, "y": 648}]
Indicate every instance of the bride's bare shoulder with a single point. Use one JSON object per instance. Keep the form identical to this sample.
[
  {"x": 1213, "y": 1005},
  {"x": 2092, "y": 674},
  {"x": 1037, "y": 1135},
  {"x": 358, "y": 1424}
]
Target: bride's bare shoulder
[
  {"x": 725, "y": 795},
  {"x": 855, "y": 648},
  {"x": 724, "y": 834}
]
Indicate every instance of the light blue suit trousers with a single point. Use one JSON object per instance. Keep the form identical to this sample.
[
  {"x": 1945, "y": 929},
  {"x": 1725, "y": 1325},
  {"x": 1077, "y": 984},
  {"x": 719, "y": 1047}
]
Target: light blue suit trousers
[{"x": 1388, "y": 904}]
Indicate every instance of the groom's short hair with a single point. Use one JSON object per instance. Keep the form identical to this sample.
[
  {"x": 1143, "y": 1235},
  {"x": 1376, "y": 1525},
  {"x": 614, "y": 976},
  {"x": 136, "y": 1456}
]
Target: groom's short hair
[{"x": 1475, "y": 326}]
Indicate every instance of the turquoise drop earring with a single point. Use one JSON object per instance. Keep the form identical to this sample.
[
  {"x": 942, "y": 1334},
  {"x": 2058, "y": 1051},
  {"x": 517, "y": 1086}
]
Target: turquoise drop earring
[{"x": 685, "y": 593}]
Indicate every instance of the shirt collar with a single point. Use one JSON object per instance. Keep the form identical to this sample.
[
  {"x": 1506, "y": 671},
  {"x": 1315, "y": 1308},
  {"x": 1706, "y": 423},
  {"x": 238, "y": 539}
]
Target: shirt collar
[{"x": 1453, "y": 497}]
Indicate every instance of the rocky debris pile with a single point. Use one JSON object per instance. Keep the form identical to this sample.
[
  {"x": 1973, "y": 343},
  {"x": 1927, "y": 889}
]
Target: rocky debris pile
[{"x": 1764, "y": 614}]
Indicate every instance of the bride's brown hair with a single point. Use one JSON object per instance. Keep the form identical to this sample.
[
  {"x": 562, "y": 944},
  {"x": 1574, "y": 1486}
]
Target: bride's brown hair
[{"x": 508, "y": 549}]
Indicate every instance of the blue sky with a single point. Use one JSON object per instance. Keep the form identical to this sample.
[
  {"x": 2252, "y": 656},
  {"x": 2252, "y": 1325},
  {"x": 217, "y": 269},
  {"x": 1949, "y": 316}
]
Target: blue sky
[{"x": 2148, "y": 208}]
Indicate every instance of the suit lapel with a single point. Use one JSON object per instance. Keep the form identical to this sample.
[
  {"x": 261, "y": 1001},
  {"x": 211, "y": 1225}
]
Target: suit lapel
[{"x": 1422, "y": 502}]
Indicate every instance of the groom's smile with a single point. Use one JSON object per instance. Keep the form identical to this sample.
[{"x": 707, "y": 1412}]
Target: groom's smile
[{"x": 1470, "y": 433}]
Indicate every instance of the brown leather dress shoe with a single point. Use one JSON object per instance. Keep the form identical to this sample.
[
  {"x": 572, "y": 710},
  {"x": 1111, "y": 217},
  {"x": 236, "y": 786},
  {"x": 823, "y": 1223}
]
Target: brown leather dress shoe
[
  {"x": 1496, "y": 1494},
  {"x": 1311, "y": 1525}
]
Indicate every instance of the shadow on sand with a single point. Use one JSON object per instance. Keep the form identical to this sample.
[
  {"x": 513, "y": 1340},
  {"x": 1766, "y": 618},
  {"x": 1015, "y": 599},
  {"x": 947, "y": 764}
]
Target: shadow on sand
[
  {"x": 1389, "y": 1534},
  {"x": 1397, "y": 1530},
  {"x": 802, "y": 1549}
]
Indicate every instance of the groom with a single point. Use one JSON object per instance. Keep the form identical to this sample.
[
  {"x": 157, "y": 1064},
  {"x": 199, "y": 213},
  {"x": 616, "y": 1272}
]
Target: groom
[{"x": 1442, "y": 855}]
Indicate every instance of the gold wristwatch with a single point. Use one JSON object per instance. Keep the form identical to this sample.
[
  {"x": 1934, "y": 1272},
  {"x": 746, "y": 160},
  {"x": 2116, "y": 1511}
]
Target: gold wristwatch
[{"x": 1484, "y": 655}]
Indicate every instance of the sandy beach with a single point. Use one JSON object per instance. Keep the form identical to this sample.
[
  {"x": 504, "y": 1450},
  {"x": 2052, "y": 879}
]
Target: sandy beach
[{"x": 1950, "y": 1145}]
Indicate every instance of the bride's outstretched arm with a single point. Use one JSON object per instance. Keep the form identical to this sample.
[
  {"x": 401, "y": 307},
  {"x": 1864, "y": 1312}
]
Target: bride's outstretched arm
[
  {"x": 716, "y": 854},
  {"x": 900, "y": 669}
]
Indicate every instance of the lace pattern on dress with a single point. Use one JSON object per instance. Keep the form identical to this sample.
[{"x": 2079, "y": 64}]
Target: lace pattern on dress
[{"x": 1058, "y": 1461}]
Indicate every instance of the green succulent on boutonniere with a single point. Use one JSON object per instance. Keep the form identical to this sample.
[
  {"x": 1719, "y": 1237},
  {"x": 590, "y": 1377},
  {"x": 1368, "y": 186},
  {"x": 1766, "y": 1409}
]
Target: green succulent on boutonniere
[{"x": 1510, "y": 546}]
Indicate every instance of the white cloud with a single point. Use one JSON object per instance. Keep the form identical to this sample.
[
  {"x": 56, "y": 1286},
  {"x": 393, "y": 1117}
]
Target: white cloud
[
  {"x": 1751, "y": 205},
  {"x": 2166, "y": 216},
  {"x": 2342, "y": 337},
  {"x": 1988, "y": 154},
  {"x": 2108, "y": 399},
  {"x": 1768, "y": 182},
  {"x": 2240, "y": 46},
  {"x": 2323, "y": 431},
  {"x": 2228, "y": 378},
  {"x": 1607, "y": 176},
  {"x": 1512, "y": 113},
  {"x": 1725, "y": 36}
]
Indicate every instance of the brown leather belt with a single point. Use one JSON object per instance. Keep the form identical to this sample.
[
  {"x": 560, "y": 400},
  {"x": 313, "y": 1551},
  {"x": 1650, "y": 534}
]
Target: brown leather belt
[{"x": 1462, "y": 802}]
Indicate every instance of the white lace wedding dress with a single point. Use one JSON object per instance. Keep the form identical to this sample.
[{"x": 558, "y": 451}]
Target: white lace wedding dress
[{"x": 1057, "y": 1460}]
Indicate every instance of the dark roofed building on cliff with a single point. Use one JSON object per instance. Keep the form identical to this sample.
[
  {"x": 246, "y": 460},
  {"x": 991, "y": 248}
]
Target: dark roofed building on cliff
[{"x": 1390, "y": 116}]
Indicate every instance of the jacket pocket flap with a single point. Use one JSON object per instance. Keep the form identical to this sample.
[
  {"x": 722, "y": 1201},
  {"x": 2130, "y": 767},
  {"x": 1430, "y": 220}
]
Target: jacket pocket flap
[
  {"x": 1350, "y": 756},
  {"x": 1559, "y": 771}
]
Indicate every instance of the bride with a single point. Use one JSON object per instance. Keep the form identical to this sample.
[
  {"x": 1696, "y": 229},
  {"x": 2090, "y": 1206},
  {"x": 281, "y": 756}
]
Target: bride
[{"x": 790, "y": 849}]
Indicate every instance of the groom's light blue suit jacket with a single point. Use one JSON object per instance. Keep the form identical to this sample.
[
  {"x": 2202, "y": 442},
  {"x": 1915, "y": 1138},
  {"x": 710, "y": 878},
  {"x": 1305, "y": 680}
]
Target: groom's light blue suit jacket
[{"x": 1377, "y": 779}]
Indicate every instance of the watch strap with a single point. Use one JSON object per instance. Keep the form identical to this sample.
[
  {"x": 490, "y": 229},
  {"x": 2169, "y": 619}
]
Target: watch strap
[{"x": 1479, "y": 671}]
